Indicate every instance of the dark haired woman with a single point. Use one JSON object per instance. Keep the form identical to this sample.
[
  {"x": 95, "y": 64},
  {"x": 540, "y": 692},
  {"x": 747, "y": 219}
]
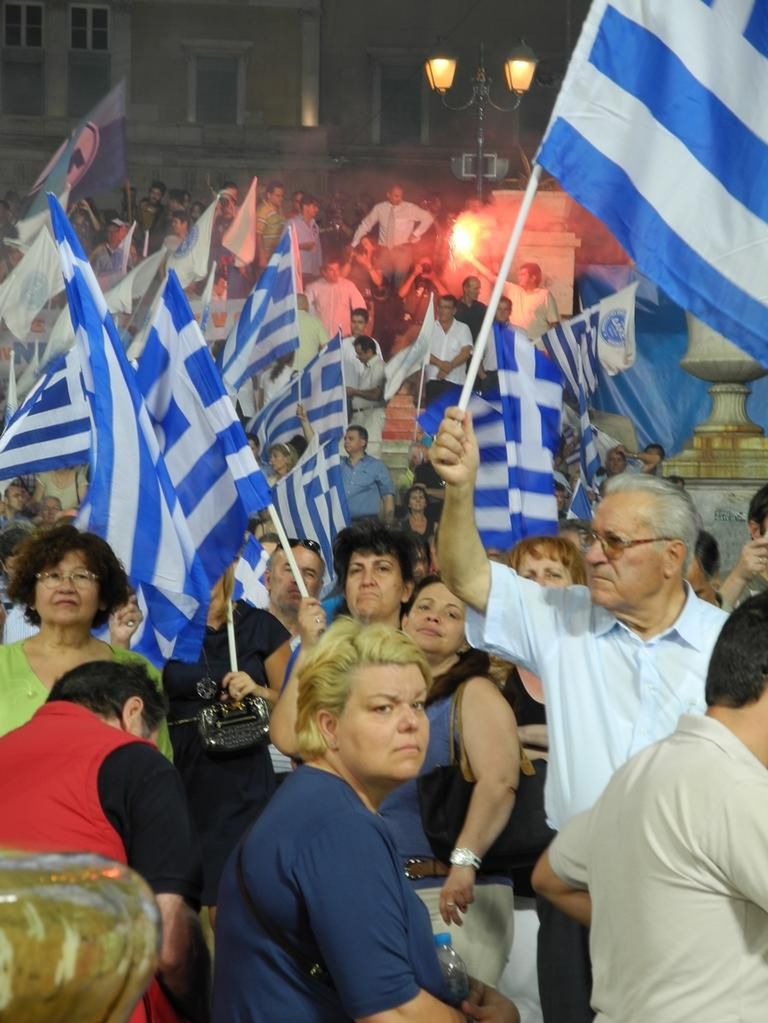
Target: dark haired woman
[
  {"x": 454, "y": 894},
  {"x": 69, "y": 583}
]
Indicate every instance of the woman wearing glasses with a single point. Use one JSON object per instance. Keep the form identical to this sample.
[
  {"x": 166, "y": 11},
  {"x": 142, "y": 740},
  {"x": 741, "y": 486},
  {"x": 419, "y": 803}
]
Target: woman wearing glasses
[
  {"x": 69, "y": 583},
  {"x": 225, "y": 792}
]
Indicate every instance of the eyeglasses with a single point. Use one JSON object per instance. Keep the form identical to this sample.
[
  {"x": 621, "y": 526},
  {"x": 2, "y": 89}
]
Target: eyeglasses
[
  {"x": 81, "y": 579},
  {"x": 613, "y": 546},
  {"x": 311, "y": 545}
]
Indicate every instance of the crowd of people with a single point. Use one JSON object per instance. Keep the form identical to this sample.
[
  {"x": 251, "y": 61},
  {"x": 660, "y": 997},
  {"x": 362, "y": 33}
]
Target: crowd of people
[{"x": 296, "y": 873}]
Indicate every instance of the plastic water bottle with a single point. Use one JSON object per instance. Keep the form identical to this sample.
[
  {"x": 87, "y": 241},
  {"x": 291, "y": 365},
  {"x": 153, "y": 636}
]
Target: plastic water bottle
[{"x": 454, "y": 970}]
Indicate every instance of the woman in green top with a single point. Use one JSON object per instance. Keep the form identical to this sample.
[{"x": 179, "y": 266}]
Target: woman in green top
[{"x": 69, "y": 582}]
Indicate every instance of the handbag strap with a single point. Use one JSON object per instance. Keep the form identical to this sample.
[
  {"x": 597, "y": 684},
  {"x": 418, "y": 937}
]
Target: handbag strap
[
  {"x": 457, "y": 732},
  {"x": 313, "y": 968},
  {"x": 526, "y": 764}
]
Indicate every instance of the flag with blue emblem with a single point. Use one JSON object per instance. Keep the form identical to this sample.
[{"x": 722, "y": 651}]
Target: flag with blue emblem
[
  {"x": 52, "y": 427},
  {"x": 268, "y": 327},
  {"x": 320, "y": 389},
  {"x": 658, "y": 132},
  {"x": 492, "y": 516},
  {"x": 310, "y": 500},
  {"x": 249, "y": 574},
  {"x": 131, "y": 502},
  {"x": 604, "y": 334},
  {"x": 531, "y": 388},
  {"x": 202, "y": 442}
]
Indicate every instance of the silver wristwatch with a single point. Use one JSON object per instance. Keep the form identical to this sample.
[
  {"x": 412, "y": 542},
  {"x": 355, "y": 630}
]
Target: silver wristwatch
[{"x": 465, "y": 858}]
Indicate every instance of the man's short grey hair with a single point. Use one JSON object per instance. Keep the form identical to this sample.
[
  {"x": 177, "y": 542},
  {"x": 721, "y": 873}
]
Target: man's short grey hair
[{"x": 673, "y": 512}]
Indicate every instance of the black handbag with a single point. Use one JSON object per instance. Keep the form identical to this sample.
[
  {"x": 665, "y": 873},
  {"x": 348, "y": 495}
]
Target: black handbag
[
  {"x": 444, "y": 795},
  {"x": 236, "y": 727}
]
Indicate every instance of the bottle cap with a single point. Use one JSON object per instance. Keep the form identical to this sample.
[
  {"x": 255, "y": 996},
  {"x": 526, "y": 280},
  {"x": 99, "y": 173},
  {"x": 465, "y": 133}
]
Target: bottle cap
[{"x": 443, "y": 938}]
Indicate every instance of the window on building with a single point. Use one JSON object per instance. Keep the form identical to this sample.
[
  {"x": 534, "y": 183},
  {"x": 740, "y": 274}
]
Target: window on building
[
  {"x": 400, "y": 98},
  {"x": 89, "y": 70},
  {"x": 216, "y": 89},
  {"x": 23, "y": 25},
  {"x": 89, "y": 28}
]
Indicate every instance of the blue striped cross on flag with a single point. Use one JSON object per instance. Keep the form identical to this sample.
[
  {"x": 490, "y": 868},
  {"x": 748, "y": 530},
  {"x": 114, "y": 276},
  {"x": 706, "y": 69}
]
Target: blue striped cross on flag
[
  {"x": 131, "y": 502},
  {"x": 531, "y": 387},
  {"x": 268, "y": 325},
  {"x": 320, "y": 389},
  {"x": 249, "y": 574},
  {"x": 52, "y": 427},
  {"x": 203, "y": 444}
]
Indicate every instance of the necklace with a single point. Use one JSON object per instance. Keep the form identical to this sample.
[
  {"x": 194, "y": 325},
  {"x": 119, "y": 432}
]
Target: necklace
[{"x": 206, "y": 687}]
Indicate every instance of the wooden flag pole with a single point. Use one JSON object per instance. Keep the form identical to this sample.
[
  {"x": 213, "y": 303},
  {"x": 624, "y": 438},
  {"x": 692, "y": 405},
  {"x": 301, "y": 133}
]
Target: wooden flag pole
[{"x": 498, "y": 287}]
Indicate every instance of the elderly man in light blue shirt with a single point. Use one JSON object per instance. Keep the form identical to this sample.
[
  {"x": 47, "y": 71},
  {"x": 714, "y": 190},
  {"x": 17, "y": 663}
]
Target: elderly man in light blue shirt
[{"x": 619, "y": 661}]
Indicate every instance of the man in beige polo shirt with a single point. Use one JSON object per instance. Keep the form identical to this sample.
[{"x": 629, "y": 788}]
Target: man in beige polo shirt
[{"x": 669, "y": 866}]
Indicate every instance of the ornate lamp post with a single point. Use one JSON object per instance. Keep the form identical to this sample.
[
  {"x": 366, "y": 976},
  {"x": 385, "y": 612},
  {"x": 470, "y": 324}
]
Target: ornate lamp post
[{"x": 519, "y": 68}]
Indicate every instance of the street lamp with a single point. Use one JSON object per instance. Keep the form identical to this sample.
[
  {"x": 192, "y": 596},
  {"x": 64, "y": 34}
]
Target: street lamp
[{"x": 519, "y": 69}]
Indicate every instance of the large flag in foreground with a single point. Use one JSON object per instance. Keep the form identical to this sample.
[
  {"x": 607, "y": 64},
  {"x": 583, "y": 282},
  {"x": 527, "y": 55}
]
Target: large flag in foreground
[
  {"x": 492, "y": 518},
  {"x": 651, "y": 135},
  {"x": 202, "y": 441},
  {"x": 268, "y": 326},
  {"x": 310, "y": 500},
  {"x": 320, "y": 389},
  {"x": 131, "y": 501},
  {"x": 52, "y": 428},
  {"x": 531, "y": 389}
]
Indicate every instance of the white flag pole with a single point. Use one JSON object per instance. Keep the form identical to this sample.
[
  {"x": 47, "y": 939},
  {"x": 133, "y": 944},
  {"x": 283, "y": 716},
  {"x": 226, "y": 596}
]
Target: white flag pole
[
  {"x": 231, "y": 638},
  {"x": 498, "y": 287},
  {"x": 283, "y": 537}
]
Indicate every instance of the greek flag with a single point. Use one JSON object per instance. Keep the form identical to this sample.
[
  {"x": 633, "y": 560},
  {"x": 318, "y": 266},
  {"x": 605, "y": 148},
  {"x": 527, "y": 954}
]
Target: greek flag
[
  {"x": 311, "y": 501},
  {"x": 52, "y": 428},
  {"x": 320, "y": 389},
  {"x": 580, "y": 507},
  {"x": 491, "y": 489},
  {"x": 604, "y": 334},
  {"x": 131, "y": 501},
  {"x": 659, "y": 131},
  {"x": 249, "y": 574},
  {"x": 268, "y": 325},
  {"x": 201, "y": 440},
  {"x": 531, "y": 389}
]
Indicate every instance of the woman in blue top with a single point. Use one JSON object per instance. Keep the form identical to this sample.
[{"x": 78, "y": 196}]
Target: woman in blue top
[
  {"x": 317, "y": 922},
  {"x": 483, "y": 908}
]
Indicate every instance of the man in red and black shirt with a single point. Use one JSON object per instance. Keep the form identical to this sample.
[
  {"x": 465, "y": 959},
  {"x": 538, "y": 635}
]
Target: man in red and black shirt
[{"x": 85, "y": 776}]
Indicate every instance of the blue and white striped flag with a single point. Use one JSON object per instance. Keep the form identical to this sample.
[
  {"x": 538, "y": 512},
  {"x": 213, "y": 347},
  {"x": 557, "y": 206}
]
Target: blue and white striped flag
[
  {"x": 310, "y": 500},
  {"x": 604, "y": 334},
  {"x": 320, "y": 389},
  {"x": 203, "y": 444},
  {"x": 654, "y": 137},
  {"x": 492, "y": 487},
  {"x": 249, "y": 574},
  {"x": 580, "y": 506},
  {"x": 131, "y": 502},
  {"x": 52, "y": 428},
  {"x": 268, "y": 327},
  {"x": 531, "y": 387}
]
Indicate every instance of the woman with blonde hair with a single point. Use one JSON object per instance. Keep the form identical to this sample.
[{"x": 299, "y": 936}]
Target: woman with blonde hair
[{"x": 317, "y": 921}]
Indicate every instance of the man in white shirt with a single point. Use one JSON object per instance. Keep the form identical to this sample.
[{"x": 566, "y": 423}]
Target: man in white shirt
[
  {"x": 400, "y": 224},
  {"x": 312, "y": 334},
  {"x": 450, "y": 347},
  {"x": 366, "y": 397},
  {"x": 332, "y": 299},
  {"x": 534, "y": 309},
  {"x": 359, "y": 328},
  {"x": 668, "y": 867},
  {"x": 619, "y": 661}
]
